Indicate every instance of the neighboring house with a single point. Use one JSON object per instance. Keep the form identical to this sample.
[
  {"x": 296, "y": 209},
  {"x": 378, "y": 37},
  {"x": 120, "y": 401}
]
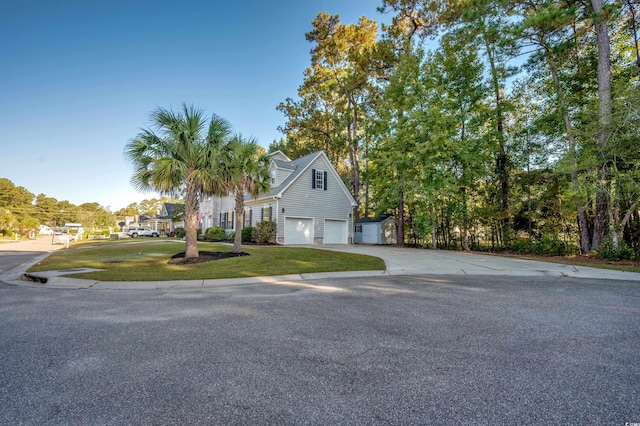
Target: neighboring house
[
  {"x": 308, "y": 201},
  {"x": 381, "y": 230},
  {"x": 163, "y": 221}
]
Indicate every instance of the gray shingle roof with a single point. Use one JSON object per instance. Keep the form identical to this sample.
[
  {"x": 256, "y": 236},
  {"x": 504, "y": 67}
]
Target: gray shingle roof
[{"x": 298, "y": 166}]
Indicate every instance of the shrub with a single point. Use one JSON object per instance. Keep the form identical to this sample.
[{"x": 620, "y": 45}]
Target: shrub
[
  {"x": 544, "y": 247},
  {"x": 230, "y": 236},
  {"x": 215, "y": 233},
  {"x": 608, "y": 252},
  {"x": 247, "y": 234},
  {"x": 264, "y": 232},
  {"x": 179, "y": 232}
]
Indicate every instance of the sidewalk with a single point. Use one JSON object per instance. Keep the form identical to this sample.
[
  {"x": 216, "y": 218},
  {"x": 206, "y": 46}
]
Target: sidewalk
[{"x": 398, "y": 260}]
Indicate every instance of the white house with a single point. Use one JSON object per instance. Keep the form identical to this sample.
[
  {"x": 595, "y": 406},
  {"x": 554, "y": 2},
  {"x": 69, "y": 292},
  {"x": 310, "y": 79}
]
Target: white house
[{"x": 308, "y": 201}]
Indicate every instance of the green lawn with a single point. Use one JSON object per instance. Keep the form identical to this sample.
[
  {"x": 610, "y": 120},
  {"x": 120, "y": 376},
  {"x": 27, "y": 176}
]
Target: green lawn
[{"x": 147, "y": 261}]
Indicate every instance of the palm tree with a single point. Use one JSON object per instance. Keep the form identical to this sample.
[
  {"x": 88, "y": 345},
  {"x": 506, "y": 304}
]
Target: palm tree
[
  {"x": 182, "y": 155},
  {"x": 246, "y": 170}
]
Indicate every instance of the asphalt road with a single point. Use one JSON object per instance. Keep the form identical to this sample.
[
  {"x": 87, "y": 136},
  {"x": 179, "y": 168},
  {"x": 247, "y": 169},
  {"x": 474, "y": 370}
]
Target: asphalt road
[{"x": 378, "y": 350}]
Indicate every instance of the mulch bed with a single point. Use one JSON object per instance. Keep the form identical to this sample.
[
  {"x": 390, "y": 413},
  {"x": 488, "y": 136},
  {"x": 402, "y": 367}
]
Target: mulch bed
[{"x": 203, "y": 256}]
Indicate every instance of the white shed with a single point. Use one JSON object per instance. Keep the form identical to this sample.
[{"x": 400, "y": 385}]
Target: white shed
[{"x": 381, "y": 230}]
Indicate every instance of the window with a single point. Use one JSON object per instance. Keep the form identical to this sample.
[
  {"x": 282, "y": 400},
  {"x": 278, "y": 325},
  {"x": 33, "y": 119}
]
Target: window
[
  {"x": 227, "y": 220},
  {"x": 247, "y": 218},
  {"x": 358, "y": 228},
  {"x": 267, "y": 214},
  {"x": 273, "y": 177},
  {"x": 319, "y": 179}
]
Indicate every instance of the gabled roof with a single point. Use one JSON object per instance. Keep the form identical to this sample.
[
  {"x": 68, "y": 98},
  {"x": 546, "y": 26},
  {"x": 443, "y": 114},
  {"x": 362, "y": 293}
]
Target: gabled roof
[
  {"x": 284, "y": 164},
  {"x": 279, "y": 155},
  {"x": 171, "y": 208},
  {"x": 298, "y": 166}
]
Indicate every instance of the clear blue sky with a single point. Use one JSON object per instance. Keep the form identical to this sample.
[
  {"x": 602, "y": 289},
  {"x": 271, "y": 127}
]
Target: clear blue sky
[{"x": 79, "y": 78}]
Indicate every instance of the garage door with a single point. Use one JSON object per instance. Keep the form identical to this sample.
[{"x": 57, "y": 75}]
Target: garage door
[
  {"x": 335, "y": 231},
  {"x": 298, "y": 230}
]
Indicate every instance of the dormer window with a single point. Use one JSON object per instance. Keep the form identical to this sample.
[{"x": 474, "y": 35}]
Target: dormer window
[{"x": 273, "y": 177}]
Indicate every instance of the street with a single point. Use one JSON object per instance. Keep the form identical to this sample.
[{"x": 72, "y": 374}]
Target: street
[{"x": 372, "y": 350}]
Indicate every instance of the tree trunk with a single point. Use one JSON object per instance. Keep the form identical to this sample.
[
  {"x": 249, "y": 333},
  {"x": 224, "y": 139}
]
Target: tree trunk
[
  {"x": 634, "y": 31},
  {"x": 434, "y": 227},
  {"x": 465, "y": 220},
  {"x": 237, "y": 238},
  {"x": 502, "y": 164},
  {"x": 352, "y": 134},
  {"x": 604, "y": 123},
  {"x": 400, "y": 229},
  {"x": 583, "y": 222},
  {"x": 191, "y": 221}
]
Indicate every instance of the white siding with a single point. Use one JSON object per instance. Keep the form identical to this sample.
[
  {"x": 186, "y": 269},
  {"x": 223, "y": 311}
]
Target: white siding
[
  {"x": 210, "y": 209},
  {"x": 301, "y": 200},
  {"x": 281, "y": 175}
]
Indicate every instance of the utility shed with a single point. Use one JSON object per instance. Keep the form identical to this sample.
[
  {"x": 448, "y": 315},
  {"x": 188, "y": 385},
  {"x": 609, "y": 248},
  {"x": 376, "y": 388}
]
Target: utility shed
[{"x": 381, "y": 230}]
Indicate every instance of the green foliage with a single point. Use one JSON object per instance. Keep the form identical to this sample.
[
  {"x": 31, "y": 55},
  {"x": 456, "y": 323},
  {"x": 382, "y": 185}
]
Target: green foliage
[
  {"x": 7, "y": 233},
  {"x": 264, "y": 232},
  {"x": 543, "y": 247},
  {"x": 231, "y": 236},
  {"x": 179, "y": 154},
  {"x": 247, "y": 234},
  {"x": 215, "y": 233},
  {"x": 608, "y": 251},
  {"x": 179, "y": 232}
]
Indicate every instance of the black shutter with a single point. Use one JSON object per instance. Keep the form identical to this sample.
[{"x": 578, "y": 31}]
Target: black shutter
[
  {"x": 250, "y": 217},
  {"x": 313, "y": 178},
  {"x": 220, "y": 222},
  {"x": 261, "y": 214},
  {"x": 325, "y": 181}
]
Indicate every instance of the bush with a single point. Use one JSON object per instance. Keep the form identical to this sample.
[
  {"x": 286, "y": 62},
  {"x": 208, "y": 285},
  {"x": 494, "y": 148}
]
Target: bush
[
  {"x": 230, "y": 236},
  {"x": 215, "y": 233},
  {"x": 608, "y": 252},
  {"x": 544, "y": 247},
  {"x": 264, "y": 232},
  {"x": 247, "y": 234},
  {"x": 179, "y": 232}
]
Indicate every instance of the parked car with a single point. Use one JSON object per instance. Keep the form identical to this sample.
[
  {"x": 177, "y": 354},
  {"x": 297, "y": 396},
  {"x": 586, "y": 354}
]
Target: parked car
[
  {"x": 142, "y": 232},
  {"x": 45, "y": 230}
]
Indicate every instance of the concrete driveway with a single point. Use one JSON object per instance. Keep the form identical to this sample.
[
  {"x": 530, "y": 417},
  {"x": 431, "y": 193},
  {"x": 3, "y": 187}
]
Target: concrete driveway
[{"x": 408, "y": 261}]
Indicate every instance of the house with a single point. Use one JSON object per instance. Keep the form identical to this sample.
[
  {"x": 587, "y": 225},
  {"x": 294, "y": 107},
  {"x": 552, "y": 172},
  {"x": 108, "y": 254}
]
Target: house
[
  {"x": 381, "y": 230},
  {"x": 308, "y": 202},
  {"x": 164, "y": 221}
]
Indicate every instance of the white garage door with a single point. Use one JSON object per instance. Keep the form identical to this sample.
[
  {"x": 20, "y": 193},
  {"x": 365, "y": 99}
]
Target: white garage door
[
  {"x": 298, "y": 230},
  {"x": 335, "y": 232}
]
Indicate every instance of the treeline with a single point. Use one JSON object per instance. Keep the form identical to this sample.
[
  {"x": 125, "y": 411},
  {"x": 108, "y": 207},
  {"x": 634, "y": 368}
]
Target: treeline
[
  {"x": 22, "y": 212},
  {"x": 482, "y": 124}
]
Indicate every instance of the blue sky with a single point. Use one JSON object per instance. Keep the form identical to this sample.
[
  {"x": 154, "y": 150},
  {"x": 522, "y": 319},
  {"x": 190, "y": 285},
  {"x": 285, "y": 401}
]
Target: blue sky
[{"x": 79, "y": 78}]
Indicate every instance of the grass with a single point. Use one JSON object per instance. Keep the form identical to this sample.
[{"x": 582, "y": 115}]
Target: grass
[{"x": 147, "y": 261}]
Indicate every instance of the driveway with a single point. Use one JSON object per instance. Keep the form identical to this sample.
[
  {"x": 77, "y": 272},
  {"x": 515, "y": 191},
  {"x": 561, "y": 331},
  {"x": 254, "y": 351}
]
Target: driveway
[{"x": 408, "y": 261}]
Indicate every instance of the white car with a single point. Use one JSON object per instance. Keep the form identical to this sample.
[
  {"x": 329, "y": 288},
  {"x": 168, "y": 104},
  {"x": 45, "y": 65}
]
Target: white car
[
  {"x": 45, "y": 230},
  {"x": 142, "y": 232}
]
